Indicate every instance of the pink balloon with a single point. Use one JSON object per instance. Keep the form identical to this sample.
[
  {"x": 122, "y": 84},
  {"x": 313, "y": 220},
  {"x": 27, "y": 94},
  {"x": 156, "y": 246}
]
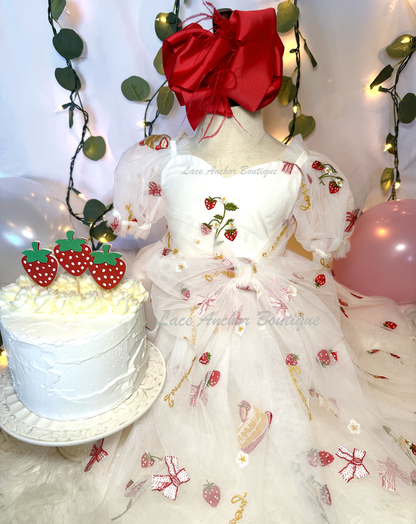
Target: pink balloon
[{"x": 382, "y": 260}]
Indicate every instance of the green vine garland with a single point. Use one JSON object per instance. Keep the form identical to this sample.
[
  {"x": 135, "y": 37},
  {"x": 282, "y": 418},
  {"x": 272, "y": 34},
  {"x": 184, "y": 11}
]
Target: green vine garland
[
  {"x": 404, "y": 109},
  {"x": 287, "y": 19}
]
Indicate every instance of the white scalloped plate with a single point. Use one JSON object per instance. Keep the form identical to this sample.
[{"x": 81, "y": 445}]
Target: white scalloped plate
[{"x": 24, "y": 425}]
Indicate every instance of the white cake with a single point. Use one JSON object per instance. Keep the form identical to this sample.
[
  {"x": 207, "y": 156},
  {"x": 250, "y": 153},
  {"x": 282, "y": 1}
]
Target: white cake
[{"x": 74, "y": 350}]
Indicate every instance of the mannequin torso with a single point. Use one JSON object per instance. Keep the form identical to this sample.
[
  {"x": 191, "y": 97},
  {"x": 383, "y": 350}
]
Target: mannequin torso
[{"x": 240, "y": 143}]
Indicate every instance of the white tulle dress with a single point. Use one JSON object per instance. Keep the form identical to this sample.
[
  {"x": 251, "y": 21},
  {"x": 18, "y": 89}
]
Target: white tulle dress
[{"x": 287, "y": 398}]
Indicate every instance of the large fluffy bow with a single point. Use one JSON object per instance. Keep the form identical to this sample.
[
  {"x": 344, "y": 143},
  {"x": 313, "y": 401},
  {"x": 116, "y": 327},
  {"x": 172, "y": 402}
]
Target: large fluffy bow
[
  {"x": 170, "y": 483},
  {"x": 355, "y": 464},
  {"x": 241, "y": 60}
]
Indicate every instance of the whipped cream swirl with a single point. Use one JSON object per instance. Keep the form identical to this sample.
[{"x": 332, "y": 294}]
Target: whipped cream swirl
[{"x": 72, "y": 296}]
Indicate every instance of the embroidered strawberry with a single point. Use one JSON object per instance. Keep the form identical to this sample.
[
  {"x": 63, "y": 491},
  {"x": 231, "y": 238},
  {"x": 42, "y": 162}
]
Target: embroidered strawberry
[
  {"x": 205, "y": 358},
  {"x": 323, "y": 358},
  {"x": 372, "y": 351},
  {"x": 313, "y": 457},
  {"x": 244, "y": 409},
  {"x": 390, "y": 325},
  {"x": 206, "y": 229},
  {"x": 186, "y": 294},
  {"x": 40, "y": 265},
  {"x": 107, "y": 269},
  {"x": 210, "y": 203},
  {"x": 231, "y": 234},
  {"x": 73, "y": 254},
  {"x": 320, "y": 280},
  {"x": 213, "y": 378},
  {"x": 333, "y": 187},
  {"x": 326, "y": 458},
  {"x": 165, "y": 252},
  {"x": 343, "y": 311},
  {"x": 325, "y": 496},
  {"x": 318, "y": 165},
  {"x": 148, "y": 460},
  {"x": 333, "y": 355},
  {"x": 394, "y": 355},
  {"x": 343, "y": 303},
  {"x": 130, "y": 482},
  {"x": 211, "y": 494},
  {"x": 413, "y": 448},
  {"x": 292, "y": 359}
]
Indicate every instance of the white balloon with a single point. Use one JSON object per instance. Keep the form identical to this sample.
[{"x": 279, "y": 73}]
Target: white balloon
[{"x": 29, "y": 211}]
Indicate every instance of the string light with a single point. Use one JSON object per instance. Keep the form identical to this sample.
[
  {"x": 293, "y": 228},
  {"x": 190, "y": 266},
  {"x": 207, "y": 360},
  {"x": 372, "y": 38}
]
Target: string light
[
  {"x": 58, "y": 109},
  {"x": 141, "y": 123},
  {"x": 406, "y": 40},
  {"x": 295, "y": 109},
  {"x": 103, "y": 240},
  {"x": 388, "y": 146},
  {"x": 162, "y": 19},
  {"x": 397, "y": 184}
]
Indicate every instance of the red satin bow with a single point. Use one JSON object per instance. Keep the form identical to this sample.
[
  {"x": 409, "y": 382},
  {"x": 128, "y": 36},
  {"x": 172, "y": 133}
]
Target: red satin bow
[{"x": 241, "y": 60}]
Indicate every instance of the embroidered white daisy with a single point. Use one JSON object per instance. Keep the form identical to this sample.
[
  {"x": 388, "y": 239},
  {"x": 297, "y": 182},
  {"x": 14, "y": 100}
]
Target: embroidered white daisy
[
  {"x": 181, "y": 267},
  {"x": 242, "y": 459},
  {"x": 215, "y": 224},
  {"x": 354, "y": 427},
  {"x": 223, "y": 200},
  {"x": 240, "y": 328},
  {"x": 293, "y": 291},
  {"x": 198, "y": 241},
  {"x": 232, "y": 226}
]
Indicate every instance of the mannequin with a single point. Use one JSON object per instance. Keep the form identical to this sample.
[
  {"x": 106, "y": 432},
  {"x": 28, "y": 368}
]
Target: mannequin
[{"x": 241, "y": 142}]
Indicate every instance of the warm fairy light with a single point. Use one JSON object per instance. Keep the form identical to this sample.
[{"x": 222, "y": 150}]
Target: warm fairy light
[
  {"x": 295, "y": 109},
  {"x": 81, "y": 195},
  {"x": 388, "y": 146},
  {"x": 381, "y": 232},
  {"x": 3, "y": 359},
  {"x": 103, "y": 240},
  {"x": 141, "y": 123},
  {"x": 397, "y": 185},
  {"x": 163, "y": 19},
  {"x": 58, "y": 109},
  {"x": 406, "y": 40}
]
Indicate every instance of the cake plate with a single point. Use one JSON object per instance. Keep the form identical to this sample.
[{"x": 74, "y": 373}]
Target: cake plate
[{"x": 24, "y": 425}]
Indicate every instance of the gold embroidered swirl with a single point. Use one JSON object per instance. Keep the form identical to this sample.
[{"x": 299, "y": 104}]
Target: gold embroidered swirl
[
  {"x": 167, "y": 398},
  {"x": 305, "y": 198},
  {"x": 298, "y": 372},
  {"x": 239, "y": 513},
  {"x": 168, "y": 236},
  {"x": 275, "y": 243}
]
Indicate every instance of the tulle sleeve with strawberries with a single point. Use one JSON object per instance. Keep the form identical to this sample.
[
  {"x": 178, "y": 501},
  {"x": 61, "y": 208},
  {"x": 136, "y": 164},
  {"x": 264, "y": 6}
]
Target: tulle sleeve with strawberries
[
  {"x": 325, "y": 211},
  {"x": 138, "y": 195}
]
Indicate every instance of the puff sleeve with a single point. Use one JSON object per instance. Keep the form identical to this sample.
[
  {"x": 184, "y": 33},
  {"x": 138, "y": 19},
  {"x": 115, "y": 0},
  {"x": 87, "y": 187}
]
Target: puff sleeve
[
  {"x": 324, "y": 212},
  {"x": 138, "y": 195}
]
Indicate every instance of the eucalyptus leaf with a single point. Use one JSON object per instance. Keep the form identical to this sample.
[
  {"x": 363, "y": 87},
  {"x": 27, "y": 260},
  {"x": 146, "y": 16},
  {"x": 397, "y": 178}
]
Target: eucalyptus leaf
[
  {"x": 166, "y": 24},
  {"x": 287, "y": 16},
  {"x": 384, "y": 74},
  {"x": 401, "y": 47},
  {"x": 68, "y": 44},
  {"x": 309, "y": 53},
  {"x": 57, "y": 6},
  {"x": 387, "y": 179},
  {"x": 407, "y": 109},
  {"x": 103, "y": 233},
  {"x": 158, "y": 62},
  {"x": 304, "y": 125},
  {"x": 287, "y": 91},
  {"x": 67, "y": 77},
  {"x": 94, "y": 147},
  {"x": 135, "y": 89},
  {"x": 93, "y": 209},
  {"x": 71, "y": 115},
  {"x": 165, "y": 100}
]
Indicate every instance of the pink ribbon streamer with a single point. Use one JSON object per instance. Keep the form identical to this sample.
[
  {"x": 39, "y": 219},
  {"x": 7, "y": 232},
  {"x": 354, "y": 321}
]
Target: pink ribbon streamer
[
  {"x": 170, "y": 483},
  {"x": 388, "y": 472},
  {"x": 355, "y": 466}
]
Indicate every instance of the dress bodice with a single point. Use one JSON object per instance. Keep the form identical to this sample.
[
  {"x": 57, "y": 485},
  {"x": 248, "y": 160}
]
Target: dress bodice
[{"x": 206, "y": 212}]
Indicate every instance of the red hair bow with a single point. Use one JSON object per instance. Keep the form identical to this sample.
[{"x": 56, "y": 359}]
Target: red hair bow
[{"x": 241, "y": 60}]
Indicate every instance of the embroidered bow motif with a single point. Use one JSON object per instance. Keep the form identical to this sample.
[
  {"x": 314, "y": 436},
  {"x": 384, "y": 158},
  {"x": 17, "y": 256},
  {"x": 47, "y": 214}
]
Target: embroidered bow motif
[
  {"x": 155, "y": 189},
  {"x": 199, "y": 392},
  {"x": 352, "y": 219},
  {"x": 355, "y": 464},
  {"x": 388, "y": 472},
  {"x": 170, "y": 483},
  {"x": 281, "y": 309},
  {"x": 97, "y": 454},
  {"x": 205, "y": 303}
]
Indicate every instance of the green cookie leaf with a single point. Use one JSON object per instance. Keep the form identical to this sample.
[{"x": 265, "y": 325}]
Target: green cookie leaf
[
  {"x": 287, "y": 16},
  {"x": 135, "y": 89},
  {"x": 165, "y": 100},
  {"x": 68, "y": 44},
  {"x": 401, "y": 47},
  {"x": 68, "y": 243},
  {"x": 304, "y": 125},
  {"x": 67, "y": 78},
  {"x": 166, "y": 24},
  {"x": 94, "y": 148},
  {"x": 384, "y": 74},
  {"x": 57, "y": 7},
  {"x": 407, "y": 109},
  {"x": 93, "y": 209},
  {"x": 158, "y": 62},
  {"x": 36, "y": 254},
  {"x": 387, "y": 179},
  {"x": 103, "y": 233},
  {"x": 287, "y": 91}
]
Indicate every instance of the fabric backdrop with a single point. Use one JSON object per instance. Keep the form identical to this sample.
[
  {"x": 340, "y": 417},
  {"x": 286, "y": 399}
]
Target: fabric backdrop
[{"x": 348, "y": 39}]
